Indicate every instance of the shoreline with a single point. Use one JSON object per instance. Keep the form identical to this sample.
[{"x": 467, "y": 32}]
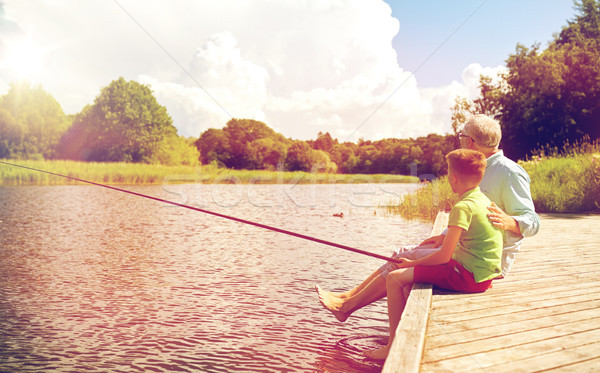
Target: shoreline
[{"x": 147, "y": 174}]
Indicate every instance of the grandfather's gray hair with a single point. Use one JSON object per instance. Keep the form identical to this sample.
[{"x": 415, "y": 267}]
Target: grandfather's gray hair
[{"x": 484, "y": 130}]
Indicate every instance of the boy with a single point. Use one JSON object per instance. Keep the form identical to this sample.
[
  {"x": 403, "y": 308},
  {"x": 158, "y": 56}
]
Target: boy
[{"x": 470, "y": 256}]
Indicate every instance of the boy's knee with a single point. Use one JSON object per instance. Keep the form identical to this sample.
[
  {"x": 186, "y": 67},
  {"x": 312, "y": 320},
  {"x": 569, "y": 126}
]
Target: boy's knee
[{"x": 393, "y": 280}]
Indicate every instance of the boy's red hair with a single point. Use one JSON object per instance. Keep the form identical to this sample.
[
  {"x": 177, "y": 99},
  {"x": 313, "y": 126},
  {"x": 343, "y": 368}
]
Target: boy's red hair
[{"x": 468, "y": 165}]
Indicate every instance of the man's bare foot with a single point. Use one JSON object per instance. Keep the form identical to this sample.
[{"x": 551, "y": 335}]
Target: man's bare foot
[
  {"x": 378, "y": 354},
  {"x": 332, "y": 303}
]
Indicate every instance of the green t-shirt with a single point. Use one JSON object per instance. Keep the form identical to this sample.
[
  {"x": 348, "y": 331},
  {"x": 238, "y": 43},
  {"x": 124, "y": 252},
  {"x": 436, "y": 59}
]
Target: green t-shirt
[{"x": 479, "y": 248}]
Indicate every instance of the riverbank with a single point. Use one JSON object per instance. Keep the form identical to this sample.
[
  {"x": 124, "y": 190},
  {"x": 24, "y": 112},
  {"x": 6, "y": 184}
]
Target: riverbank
[
  {"x": 566, "y": 182},
  {"x": 146, "y": 174}
]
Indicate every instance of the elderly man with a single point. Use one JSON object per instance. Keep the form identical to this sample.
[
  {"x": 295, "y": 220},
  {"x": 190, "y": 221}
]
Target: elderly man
[{"x": 505, "y": 183}]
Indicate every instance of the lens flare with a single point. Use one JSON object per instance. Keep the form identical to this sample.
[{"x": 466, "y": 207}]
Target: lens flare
[{"x": 24, "y": 58}]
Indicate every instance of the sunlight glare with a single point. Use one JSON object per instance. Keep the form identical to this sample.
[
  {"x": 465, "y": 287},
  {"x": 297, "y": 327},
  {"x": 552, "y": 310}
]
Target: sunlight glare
[{"x": 24, "y": 58}]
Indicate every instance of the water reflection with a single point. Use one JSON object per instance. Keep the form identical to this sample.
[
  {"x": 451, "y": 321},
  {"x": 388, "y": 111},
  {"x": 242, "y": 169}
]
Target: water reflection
[{"x": 93, "y": 279}]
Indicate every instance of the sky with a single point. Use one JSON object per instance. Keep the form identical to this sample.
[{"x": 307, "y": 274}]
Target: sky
[{"x": 367, "y": 69}]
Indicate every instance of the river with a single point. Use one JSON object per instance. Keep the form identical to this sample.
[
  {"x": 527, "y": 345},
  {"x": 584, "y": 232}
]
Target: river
[{"x": 97, "y": 280}]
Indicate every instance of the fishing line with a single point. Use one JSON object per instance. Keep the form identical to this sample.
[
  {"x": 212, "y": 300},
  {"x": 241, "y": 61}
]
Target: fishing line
[{"x": 243, "y": 221}]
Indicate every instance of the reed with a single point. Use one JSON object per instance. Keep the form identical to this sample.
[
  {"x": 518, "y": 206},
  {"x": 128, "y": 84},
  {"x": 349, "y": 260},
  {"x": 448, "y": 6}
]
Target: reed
[
  {"x": 135, "y": 173},
  {"x": 425, "y": 202},
  {"x": 565, "y": 180},
  {"x": 566, "y": 184}
]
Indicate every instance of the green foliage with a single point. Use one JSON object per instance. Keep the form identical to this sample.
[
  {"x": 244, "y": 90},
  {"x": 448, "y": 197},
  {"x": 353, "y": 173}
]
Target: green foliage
[
  {"x": 31, "y": 122},
  {"x": 243, "y": 144},
  {"x": 213, "y": 145},
  {"x": 253, "y": 145},
  {"x": 568, "y": 184},
  {"x": 562, "y": 180},
  {"x": 301, "y": 157},
  {"x": 548, "y": 96},
  {"x": 104, "y": 172},
  {"x": 12, "y": 135},
  {"x": 567, "y": 179},
  {"x": 175, "y": 150},
  {"x": 125, "y": 124},
  {"x": 555, "y": 96},
  {"x": 248, "y": 144},
  {"x": 585, "y": 28},
  {"x": 323, "y": 142}
]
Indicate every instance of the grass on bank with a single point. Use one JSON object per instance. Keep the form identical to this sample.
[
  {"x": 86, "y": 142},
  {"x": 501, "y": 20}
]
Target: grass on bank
[
  {"x": 425, "y": 202},
  {"x": 135, "y": 173},
  {"x": 566, "y": 180},
  {"x": 562, "y": 181}
]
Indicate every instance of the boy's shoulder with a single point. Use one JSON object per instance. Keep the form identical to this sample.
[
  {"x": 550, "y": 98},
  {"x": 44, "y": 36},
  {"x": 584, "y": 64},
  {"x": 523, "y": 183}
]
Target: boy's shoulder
[
  {"x": 472, "y": 203},
  {"x": 473, "y": 199}
]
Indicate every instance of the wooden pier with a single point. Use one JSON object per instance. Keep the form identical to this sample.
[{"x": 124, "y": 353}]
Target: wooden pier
[{"x": 545, "y": 316}]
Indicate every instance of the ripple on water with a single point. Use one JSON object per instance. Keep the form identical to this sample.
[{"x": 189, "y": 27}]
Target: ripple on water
[{"x": 96, "y": 281}]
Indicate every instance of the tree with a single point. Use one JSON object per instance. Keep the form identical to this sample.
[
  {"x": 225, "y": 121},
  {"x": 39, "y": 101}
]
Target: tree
[
  {"x": 585, "y": 28},
  {"x": 242, "y": 133},
  {"x": 213, "y": 145},
  {"x": 32, "y": 122},
  {"x": 243, "y": 144},
  {"x": 301, "y": 157},
  {"x": 175, "y": 151},
  {"x": 11, "y": 135},
  {"x": 266, "y": 153},
  {"x": 323, "y": 142},
  {"x": 340, "y": 154},
  {"x": 125, "y": 124},
  {"x": 554, "y": 97},
  {"x": 547, "y": 97}
]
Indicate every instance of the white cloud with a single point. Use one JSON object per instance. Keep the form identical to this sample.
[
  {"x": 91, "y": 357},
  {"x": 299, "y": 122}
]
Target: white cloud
[
  {"x": 301, "y": 66},
  {"x": 471, "y": 74}
]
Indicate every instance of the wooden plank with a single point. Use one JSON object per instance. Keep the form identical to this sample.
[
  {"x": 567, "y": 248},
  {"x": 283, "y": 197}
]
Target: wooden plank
[
  {"x": 559, "y": 360},
  {"x": 407, "y": 348},
  {"x": 454, "y": 305},
  {"x": 435, "y": 329},
  {"x": 587, "y": 366},
  {"x": 543, "y": 316},
  {"x": 582, "y": 295},
  {"x": 525, "y": 358},
  {"x": 560, "y": 289},
  {"x": 508, "y": 340}
]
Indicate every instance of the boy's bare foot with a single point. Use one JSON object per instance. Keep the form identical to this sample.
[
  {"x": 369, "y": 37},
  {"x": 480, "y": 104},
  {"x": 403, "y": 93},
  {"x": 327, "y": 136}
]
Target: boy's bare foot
[
  {"x": 332, "y": 303},
  {"x": 378, "y": 354}
]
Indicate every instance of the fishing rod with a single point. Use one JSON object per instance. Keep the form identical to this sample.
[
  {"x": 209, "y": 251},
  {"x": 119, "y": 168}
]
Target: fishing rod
[{"x": 243, "y": 221}]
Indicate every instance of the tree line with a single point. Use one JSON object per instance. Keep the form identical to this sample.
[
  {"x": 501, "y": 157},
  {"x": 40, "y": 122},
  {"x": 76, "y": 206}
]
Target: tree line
[
  {"x": 547, "y": 97},
  {"x": 125, "y": 123},
  {"x": 250, "y": 144}
]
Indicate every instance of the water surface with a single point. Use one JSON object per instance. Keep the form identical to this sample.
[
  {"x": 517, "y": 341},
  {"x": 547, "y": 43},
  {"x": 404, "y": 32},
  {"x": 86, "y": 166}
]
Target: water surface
[{"x": 96, "y": 280}]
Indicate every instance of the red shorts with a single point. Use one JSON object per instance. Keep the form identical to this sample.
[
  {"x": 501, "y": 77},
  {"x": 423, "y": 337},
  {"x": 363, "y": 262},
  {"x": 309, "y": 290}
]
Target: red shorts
[{"x": 450, "y": 276}]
